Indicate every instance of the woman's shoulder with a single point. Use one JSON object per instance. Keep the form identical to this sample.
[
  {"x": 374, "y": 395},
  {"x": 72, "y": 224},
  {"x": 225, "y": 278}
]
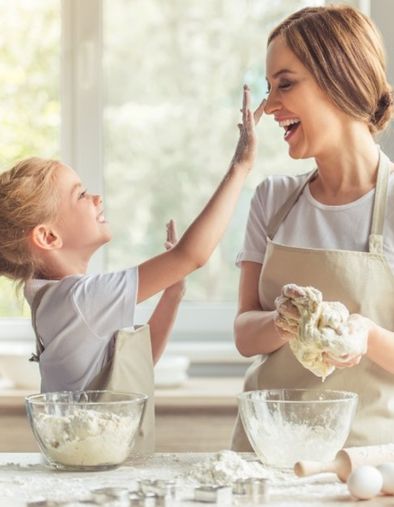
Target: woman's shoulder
[{"x": 279, "y": 186}]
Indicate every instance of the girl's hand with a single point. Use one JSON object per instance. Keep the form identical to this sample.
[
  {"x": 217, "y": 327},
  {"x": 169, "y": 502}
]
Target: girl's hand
[
  {"x": 171, "y": 241},
  {"x": 245, "y": 152}
]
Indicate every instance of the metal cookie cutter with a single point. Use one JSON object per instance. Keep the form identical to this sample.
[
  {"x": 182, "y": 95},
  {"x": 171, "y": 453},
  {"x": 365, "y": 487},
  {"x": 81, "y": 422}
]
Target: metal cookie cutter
[
  {"x": 150, "y": 499},
  {"x": 253, "y": 489},
  {"x": 161, "y": 488},
  {"x": 106, "y": 495},
  {"x": 134, "y": 499},
  {"x": 221, "y": 495}
]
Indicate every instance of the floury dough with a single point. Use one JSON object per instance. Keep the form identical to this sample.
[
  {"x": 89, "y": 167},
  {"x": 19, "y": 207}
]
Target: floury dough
[
  {"x": 323, "y": 327},
  {"x": 87, "y": 437}
]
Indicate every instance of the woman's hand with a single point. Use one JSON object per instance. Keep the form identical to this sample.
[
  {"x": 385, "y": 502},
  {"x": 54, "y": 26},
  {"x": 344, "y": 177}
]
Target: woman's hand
[
  {"x": 359, "y": 326},
  {"x": 288, "y": 317},
  {"x": 171, "y": 241},
  {"x": 286, "y": 326},
  {"x": 245, "y": 152}
]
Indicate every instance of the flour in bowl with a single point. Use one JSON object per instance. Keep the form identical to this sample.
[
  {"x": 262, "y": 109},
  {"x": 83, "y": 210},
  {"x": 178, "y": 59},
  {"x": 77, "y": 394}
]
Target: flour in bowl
[{"x": 87, "y": 437}]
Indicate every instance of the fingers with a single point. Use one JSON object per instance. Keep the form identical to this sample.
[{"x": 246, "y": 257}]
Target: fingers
[
  {"x": 245, "y": 104},
  {"x": 287, "y": 309},
  {"x": 292, "y": 290},
  {"x": 247, "y": 116},
  {"x": 172, "y": 236},
  {"x": 345, "y": 361},
  {"x": 286, "y": 325},
  {"x": 354, "y": 361}
]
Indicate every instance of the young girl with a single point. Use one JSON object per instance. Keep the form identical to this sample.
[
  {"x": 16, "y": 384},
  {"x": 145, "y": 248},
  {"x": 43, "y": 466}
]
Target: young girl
[{"x": 50, "y": 226}]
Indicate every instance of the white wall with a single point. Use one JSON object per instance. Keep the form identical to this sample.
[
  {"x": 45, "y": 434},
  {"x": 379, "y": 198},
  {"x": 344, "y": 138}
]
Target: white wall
[{"x": 382, "y": 12}]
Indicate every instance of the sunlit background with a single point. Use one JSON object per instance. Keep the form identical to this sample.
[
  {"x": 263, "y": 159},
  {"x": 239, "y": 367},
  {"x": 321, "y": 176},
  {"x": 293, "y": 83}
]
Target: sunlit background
[{"x": 172, "y": 78}]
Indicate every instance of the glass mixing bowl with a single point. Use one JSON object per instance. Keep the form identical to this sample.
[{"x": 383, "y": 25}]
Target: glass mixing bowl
[
  {"x": 288, "y": 425},
  {"x": 85, "y": 430}
]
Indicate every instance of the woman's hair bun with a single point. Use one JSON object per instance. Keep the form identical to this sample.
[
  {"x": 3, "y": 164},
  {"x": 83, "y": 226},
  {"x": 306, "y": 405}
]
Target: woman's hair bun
[{"x": 384, "y": 110}]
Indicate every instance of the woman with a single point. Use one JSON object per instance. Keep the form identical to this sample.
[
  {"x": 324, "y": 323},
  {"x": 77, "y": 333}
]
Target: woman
[{"x": 333, "y": 228}]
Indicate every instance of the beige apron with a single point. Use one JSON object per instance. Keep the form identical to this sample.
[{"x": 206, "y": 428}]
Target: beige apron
[
  {"x": 130, "y": 370},
  {"x": 364, "y": 282}
]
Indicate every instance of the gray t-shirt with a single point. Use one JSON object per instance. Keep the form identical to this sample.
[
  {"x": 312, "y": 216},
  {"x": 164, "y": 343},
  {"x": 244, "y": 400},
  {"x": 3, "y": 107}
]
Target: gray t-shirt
[
  {"x": 77, "y": 320},
  {"x": 311, "y": 224}
]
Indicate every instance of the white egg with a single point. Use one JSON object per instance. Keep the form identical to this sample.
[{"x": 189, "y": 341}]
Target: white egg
[
  {"x": 365, "y": 482},
  {"x": 387, "y": 471}
]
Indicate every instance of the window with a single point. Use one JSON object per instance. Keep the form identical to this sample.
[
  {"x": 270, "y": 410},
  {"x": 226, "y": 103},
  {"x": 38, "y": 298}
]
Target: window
[
  {"x": 150, "y": 96},
  {"x": 173, "y": 73},
  {"x": 29, "y": 95}
]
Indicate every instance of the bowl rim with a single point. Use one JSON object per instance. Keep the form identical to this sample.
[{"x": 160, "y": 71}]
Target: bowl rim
[
  {"x": 39, "y": 399},
  {"x": 349, "y": 395}
]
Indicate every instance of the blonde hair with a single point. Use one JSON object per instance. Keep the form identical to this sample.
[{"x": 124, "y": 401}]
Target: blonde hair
[
  {"x": 27, "y": 198},
  {"x": 344, "y": 51}
]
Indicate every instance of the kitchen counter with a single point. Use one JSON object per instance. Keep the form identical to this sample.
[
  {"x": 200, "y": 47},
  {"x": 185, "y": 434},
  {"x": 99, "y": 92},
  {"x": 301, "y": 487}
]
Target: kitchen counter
[
  {"x": 24, "y": 477},
  {"x": 196, "y": 392}
]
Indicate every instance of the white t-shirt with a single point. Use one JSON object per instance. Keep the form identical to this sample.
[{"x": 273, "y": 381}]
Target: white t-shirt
[
  {"x": 311, "y": 224},
  {"x": 77, "y": 319}
]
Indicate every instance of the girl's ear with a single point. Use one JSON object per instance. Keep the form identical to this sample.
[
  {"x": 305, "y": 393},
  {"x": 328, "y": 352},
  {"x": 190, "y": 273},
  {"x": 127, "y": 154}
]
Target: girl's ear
[{"x": 46, "y": 238}]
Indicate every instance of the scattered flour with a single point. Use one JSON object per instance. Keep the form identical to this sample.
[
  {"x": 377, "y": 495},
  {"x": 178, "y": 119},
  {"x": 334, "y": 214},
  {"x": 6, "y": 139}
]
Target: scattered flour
[
  {"x": 324, "y": 327},
  {"x": 26, "y": 480},
  {"x": 87, "y": 437},
  {"x": 225, "y": 467}
]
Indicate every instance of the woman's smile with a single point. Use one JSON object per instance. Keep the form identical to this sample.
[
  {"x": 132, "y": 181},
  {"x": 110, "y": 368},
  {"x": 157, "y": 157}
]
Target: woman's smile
[{"x": 290, "y": 127}]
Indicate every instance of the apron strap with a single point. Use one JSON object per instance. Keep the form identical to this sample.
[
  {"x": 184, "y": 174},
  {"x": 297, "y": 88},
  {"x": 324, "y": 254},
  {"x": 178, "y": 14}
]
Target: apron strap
[
  {"x": 35, "y": 304},
  {"x": 379, "y": 205},
  {"x": 284, "y": 210}
]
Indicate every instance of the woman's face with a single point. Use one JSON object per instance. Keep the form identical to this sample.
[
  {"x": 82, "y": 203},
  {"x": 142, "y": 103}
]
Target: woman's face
[{"x": 312, "y": 124}]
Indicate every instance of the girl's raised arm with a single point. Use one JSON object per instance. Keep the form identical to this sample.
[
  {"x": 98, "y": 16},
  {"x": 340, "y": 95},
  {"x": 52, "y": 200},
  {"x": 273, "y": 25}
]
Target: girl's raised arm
[{"x": 202, "y": 236}]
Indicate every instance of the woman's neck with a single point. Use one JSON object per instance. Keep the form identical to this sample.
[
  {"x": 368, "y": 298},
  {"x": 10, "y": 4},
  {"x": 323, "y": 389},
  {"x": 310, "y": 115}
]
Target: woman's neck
[{"x": 346, "y": 174}]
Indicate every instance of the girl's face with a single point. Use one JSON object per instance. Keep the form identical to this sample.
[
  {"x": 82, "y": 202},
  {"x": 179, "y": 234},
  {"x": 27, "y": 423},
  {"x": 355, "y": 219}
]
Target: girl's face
[
  {"x": 313, "y": 125},
  {"x": 80, "y": 222}
]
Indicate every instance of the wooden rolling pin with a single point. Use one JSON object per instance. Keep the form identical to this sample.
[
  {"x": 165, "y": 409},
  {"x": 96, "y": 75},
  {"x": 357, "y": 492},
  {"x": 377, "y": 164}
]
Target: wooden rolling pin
[{"x": 346, "y": 460}]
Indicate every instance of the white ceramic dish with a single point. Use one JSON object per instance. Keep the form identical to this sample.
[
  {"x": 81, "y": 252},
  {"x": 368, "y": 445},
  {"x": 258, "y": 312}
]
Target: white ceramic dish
[{"x": 171, "y": 371}]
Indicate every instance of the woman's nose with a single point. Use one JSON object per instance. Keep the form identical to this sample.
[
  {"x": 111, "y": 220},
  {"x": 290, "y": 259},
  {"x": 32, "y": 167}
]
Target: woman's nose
[{"x": 273, "y": 104}]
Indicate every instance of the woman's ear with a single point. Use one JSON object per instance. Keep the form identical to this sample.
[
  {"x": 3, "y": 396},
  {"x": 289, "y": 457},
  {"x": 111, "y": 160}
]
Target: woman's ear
[{"x": 45, "y": 238}]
